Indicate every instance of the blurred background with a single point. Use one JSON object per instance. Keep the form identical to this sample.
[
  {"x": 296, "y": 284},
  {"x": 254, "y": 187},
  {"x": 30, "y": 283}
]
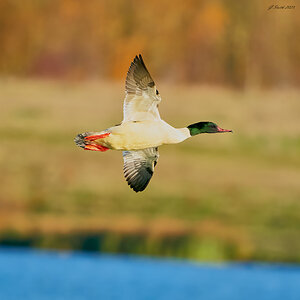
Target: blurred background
[{"x": 212, "y": 198}]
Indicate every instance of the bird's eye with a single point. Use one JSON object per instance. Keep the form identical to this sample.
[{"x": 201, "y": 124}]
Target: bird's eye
[{"x": 157, "y": 92}]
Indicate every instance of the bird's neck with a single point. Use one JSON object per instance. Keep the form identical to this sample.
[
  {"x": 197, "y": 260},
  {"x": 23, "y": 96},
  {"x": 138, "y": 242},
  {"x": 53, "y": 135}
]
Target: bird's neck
[{"x": 182, "y": 134}]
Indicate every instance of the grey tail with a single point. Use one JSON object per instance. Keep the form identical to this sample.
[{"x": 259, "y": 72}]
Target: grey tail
[{"x": 79, "y": 139}]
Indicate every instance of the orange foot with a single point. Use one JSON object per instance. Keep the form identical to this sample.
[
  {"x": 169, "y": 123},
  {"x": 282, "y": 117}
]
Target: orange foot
[
  {"x": 96, "y": 137},
  {"x": 95, "y": 147}
]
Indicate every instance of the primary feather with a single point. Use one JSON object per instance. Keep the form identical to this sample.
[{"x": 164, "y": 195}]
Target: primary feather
[
  {"x": 142, "y": 97},
  {"x": 139, "y": 167}
]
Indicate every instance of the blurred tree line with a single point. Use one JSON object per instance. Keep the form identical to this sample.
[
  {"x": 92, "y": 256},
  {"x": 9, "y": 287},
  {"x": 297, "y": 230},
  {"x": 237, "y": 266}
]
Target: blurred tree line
[{"x": 226, "y": 42}]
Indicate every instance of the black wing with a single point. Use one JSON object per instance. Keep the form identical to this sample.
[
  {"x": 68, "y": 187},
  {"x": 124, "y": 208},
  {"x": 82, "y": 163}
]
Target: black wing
[
  {"x": 139, "y": 167},
  {"x": 142, "y": 96}
]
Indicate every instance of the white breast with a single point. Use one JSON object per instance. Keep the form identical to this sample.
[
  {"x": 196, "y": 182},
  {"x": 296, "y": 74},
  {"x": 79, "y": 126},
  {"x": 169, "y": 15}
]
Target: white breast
[{"x": 144, "y": 134}]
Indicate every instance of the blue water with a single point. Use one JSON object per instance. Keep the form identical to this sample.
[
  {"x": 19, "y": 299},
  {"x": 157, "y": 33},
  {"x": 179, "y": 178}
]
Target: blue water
[{"x": 31, "y": 274}]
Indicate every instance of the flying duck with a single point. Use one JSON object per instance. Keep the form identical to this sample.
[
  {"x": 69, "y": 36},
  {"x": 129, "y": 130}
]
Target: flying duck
[{"x": 142, "y": 130}]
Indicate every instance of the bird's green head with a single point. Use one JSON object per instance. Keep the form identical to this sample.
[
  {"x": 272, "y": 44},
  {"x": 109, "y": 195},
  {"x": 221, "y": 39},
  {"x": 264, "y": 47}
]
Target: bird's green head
[{"x": 205, "y": 127}]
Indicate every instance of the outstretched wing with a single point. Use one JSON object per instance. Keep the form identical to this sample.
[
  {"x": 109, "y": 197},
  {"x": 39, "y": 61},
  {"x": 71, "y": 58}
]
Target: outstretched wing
[
  {"x": 139, "y": 167},
  {"x": 142, "y": 97}
]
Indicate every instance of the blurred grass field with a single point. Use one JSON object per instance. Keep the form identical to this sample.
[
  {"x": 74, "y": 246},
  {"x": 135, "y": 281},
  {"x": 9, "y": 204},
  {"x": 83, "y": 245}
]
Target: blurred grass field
[{"x": 239, "y": 192}]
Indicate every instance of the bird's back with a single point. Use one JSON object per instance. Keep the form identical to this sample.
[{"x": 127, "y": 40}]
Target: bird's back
[{"x": 143, "y": 134}]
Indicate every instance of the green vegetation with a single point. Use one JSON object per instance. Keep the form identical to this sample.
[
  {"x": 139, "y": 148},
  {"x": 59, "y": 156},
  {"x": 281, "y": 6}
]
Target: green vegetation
[{"x": 213, "y": 197}]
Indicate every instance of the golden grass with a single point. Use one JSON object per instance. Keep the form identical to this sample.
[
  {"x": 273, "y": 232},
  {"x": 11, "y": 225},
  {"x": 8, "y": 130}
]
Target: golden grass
[{"x": 245, "y": 184}]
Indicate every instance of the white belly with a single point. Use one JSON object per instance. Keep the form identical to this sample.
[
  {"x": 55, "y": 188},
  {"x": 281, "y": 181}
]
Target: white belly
[{"x": 144, "y": 134}]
